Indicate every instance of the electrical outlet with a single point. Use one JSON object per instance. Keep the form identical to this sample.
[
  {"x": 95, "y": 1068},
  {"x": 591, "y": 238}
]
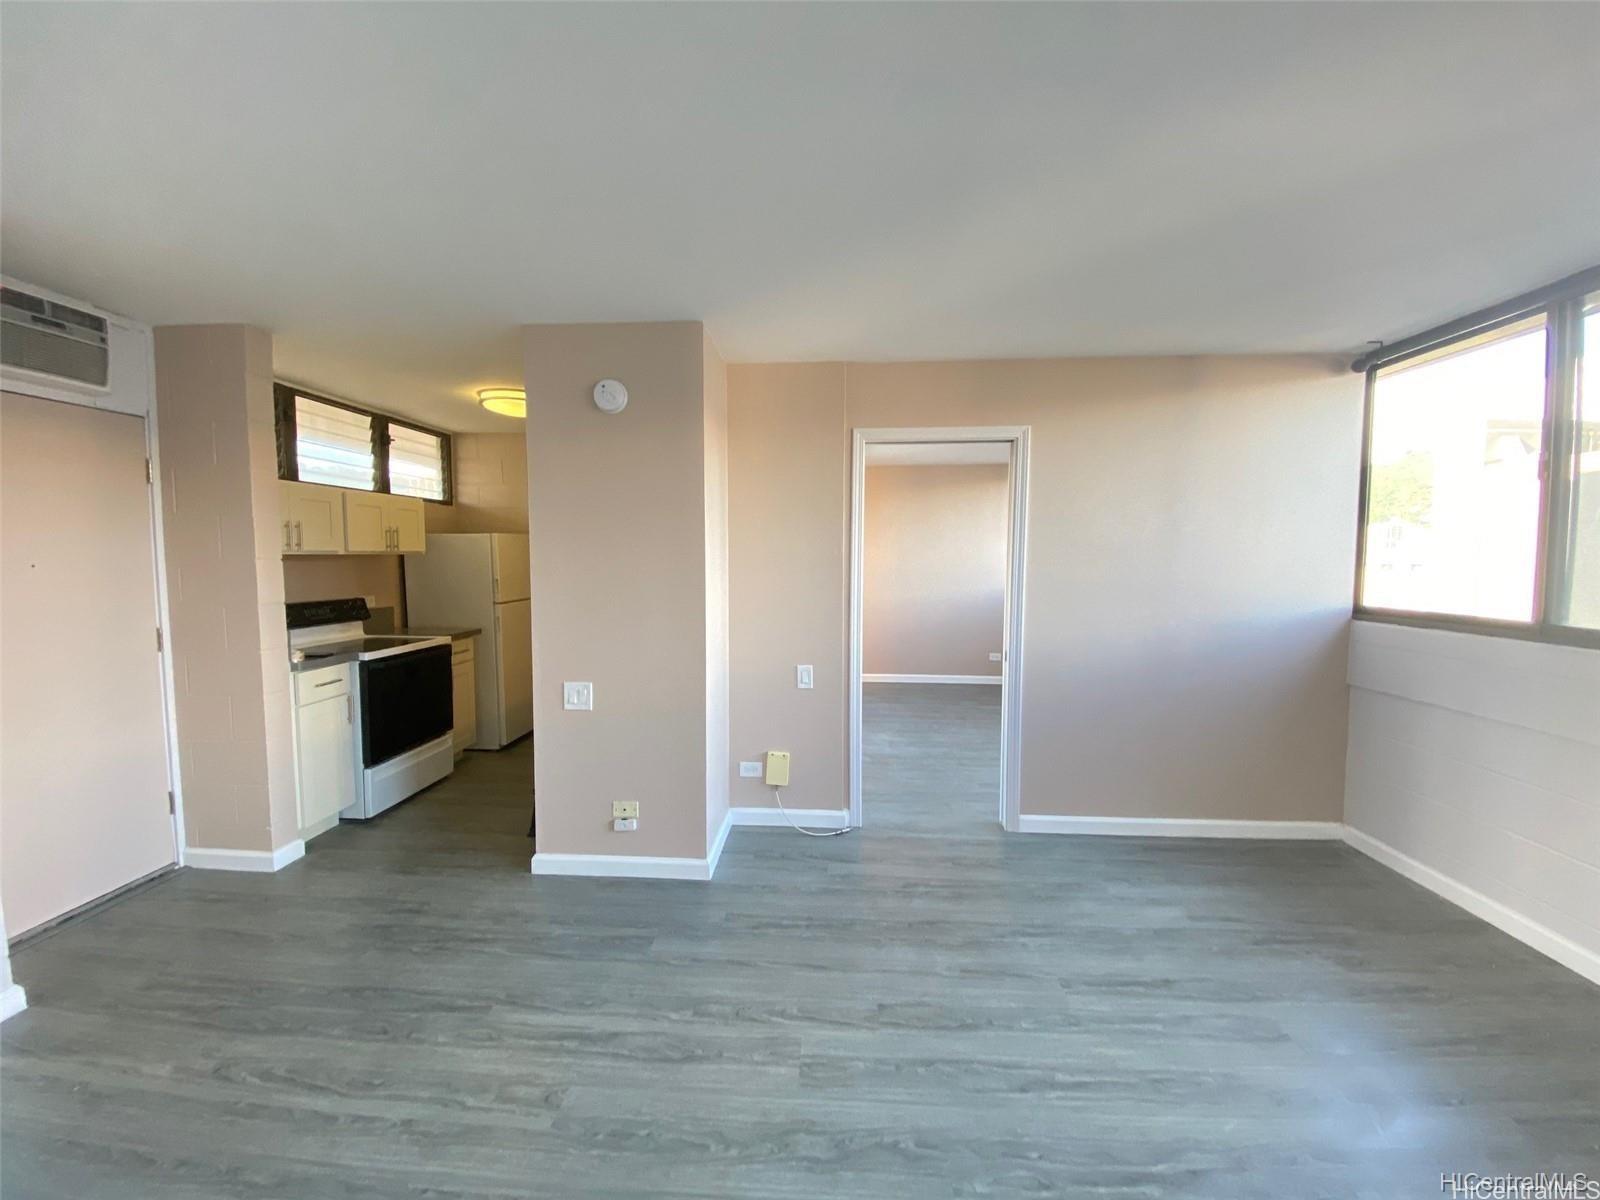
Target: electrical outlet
[
  {"x": 577, "y": 697},
  {"x": 749, "y": 770},
  {"x": 802, "y": 677},
  {"x": 625, "y": 809},
  {"x": 994, "y": 656},
  {"x": 624, "y": 824}
]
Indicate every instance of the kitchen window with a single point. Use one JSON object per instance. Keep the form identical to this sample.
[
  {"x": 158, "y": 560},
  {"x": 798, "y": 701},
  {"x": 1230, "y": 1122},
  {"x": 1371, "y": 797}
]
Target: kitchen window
[
  {"x": 1480, "y": 505},
  {"x": 321, "y": 440}
]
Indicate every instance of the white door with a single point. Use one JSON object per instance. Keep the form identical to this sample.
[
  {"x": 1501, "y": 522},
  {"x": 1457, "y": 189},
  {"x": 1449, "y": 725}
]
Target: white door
[
  {"x": 83, "y": 767},
  {"x": 514, "y": 638},
  {"x": 509, "y": 552}
]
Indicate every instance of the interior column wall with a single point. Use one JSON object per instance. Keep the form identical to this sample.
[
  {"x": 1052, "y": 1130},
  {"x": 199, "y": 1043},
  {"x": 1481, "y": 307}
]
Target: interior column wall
[{"x": 225, "y": 579}]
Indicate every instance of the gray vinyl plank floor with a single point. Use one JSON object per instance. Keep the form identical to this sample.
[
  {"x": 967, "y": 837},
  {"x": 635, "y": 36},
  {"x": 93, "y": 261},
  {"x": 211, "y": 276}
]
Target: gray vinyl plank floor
[{"x": 923, "y": 1008}]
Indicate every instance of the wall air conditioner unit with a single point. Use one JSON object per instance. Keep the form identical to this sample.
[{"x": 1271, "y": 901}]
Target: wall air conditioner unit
[{"x": 55, "y": 342}]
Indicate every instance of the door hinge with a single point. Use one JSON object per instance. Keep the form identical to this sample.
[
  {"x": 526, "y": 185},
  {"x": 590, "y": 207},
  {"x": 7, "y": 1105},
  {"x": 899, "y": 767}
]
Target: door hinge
[
  {"x": 149, "y": 475},
  {"x": 172, "y": 804},
  {"x": 160, "y": 641}
]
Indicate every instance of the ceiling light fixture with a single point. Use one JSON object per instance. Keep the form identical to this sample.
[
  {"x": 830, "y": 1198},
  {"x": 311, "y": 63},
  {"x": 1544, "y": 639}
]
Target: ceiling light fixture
[{"x": 508, "y": 402}]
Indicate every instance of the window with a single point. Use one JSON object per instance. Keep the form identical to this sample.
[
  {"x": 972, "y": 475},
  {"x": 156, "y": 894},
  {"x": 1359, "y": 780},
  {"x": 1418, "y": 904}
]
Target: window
[
  {"x": 1582, "y": 568},
  {"x": 327, "y": 441},
  {"x": 1462, "y": 525},
  {"x": 416, "y": 462},
  {"x": 333, "y": 445}
]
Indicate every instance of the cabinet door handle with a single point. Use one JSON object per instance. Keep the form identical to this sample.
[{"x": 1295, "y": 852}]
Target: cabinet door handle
[
  {"x": 288, "y": 543},
  {"x": 349, "y": 710},
  {"x": 299, "y": 537},
  {"x": 329, "y": 683}
]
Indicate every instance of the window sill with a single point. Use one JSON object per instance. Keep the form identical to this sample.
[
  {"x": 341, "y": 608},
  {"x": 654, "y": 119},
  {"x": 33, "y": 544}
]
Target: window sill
[{"x": 1555, "y": 635}]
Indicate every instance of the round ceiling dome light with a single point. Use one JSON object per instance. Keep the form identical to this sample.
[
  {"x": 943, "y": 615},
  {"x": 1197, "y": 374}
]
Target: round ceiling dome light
[{"x": 508, "y": 402}]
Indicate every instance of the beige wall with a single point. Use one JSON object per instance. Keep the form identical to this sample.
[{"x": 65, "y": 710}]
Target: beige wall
[
  {"x": 225, "y": 578},
  {"x": 489, "y": 485},
  {"x": 934, "y": 592},
  {"x": 327, "y": 576},
  {"x": 787, "y": 483},
  {"x": 618, "y": 531},
  {"x": 1191, "y": 536}
]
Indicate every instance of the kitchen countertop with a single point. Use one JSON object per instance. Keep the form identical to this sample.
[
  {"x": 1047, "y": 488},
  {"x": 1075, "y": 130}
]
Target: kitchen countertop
[{"x": 455, "y": 633}]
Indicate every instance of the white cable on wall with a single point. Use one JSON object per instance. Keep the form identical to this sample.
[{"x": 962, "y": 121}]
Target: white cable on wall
[{"x": 777, "y": 794}]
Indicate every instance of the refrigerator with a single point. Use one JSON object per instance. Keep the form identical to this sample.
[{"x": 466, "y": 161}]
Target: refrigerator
[{"x": 480, "y": 581}]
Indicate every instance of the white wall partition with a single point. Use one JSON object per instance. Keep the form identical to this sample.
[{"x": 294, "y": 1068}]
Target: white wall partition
[{"x": 1474, "y": 769}]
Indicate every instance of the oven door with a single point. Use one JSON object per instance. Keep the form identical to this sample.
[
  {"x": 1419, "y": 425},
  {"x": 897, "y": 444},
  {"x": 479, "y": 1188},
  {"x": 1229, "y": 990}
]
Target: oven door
[{"x": 405, "y": 702}]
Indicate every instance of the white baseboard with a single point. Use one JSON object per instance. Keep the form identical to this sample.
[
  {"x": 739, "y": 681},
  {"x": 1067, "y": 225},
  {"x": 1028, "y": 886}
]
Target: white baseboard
[
  {"x": 244, "y": 860},
  {"x": 714, "y": 855},
  {"x": 994, "y": 679},
  {"x": 1181, "y": 827},
  {"x": 811, "y": 818},
  {"x": 621, "y": 866},
  {"x": 1545, "y": 940},
  {"x": 12, "y": 1001}
]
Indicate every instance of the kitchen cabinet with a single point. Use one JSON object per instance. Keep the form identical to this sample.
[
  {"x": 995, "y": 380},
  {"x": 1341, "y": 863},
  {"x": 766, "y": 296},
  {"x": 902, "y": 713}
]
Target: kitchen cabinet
[
  {"x": 464, "y": 693},
  {"x": 377, "y": 523},
  {"x": 313, "y": 518},
  {"x": 325, "y": 746}
]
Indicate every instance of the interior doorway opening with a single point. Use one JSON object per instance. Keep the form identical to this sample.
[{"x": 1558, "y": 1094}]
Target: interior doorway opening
[{"x": 937, "y": 518}]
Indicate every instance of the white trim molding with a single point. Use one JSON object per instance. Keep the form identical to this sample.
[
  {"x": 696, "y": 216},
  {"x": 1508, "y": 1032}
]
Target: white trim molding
[
  {"x": 245, "y": 860},
  {"x": 1546, "y": 941},
  {"x": 1010, "y": 797},
  {"x": 714, "y": 854},
  {"x": 994, "y": 679},
  {"x": 769, "y": 816},
  {"x": 1182, "y": 827},
  {"x": 12, "y": 1001},
  {"x": 621, "y": 866}
]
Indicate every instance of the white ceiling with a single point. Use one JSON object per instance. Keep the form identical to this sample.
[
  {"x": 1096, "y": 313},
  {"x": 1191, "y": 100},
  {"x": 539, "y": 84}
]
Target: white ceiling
[
  {"x": 936, "y": 454},
  {"x": 394, "y": 188}
]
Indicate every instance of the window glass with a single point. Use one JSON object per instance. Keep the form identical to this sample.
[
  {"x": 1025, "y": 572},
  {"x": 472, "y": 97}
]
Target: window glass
[
  {"x": 333, "y": 445},
  {"x": 416, "y": 463},
  {"x": 1583, "y": 596},
  {"x": 1453, "y": 490}
]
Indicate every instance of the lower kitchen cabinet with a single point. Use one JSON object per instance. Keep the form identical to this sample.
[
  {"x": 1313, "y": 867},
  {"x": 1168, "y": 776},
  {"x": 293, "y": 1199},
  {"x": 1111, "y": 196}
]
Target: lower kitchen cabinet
[
  {"x": 464, "y": 692},
  {"x": 325, "y": 746}
]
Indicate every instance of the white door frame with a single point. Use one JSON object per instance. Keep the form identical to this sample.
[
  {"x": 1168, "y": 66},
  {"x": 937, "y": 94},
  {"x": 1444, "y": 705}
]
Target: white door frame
[{"x": 1010, "y": 809}]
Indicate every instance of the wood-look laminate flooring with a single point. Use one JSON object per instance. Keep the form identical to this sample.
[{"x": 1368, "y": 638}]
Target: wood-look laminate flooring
[{"x": 407, "y": 1012}]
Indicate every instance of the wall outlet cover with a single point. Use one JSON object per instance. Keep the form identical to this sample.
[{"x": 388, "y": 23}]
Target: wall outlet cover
[
  {"x": 749, "y": 770},
  {"x": 777, "y": 768},
  {"x": 994, "y": 656}
]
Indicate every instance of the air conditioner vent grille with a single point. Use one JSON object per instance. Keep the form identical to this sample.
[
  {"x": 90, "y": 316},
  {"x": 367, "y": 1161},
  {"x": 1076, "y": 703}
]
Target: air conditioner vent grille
[{"x": 53, "y": 339}]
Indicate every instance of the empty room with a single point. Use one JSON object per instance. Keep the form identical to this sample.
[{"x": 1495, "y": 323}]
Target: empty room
[{"x": 785, "y": 600}]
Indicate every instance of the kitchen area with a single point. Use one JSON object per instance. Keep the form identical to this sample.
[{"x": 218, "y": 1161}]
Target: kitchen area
[{"x": 409, "y": 628}]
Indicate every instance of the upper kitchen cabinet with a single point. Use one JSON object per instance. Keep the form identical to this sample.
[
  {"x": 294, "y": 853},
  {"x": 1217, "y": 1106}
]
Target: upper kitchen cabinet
[
  {"x": 376, "y": 523},
  {"x": 366, "y": 523},
  {"x": 313, "y": 518},
  {"x": 409, "y": 524}
]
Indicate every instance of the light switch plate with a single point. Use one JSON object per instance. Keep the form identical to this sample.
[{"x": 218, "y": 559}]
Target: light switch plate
[
  {"x": 625, "y": 824},
  {"x": 994, "y": 656},
  {"x": 577, "y": 697},
  {"x": 802, "y": 677},
  {"x": 749, "y": 770},
  {"x": 625, "y": 809}
]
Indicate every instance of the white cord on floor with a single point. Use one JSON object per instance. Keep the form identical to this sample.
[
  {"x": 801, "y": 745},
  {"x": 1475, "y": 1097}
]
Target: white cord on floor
[{"x": 777, "y": 794}]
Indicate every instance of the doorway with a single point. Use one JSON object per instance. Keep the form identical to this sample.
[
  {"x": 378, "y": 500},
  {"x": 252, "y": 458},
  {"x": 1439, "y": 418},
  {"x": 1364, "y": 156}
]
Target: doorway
[
  {"x": 84, "y": 805},
  {"x": 961, "y": 700}
]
